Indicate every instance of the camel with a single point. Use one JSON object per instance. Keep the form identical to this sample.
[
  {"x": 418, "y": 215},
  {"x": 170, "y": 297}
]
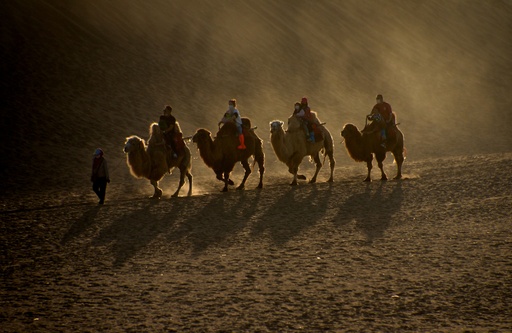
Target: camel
[
  {"x": 292, "y": 146},
  {"x": 221, "y": 153},
  {"x": 154, "y": 161},
  {"x": 362, "y": 145}
]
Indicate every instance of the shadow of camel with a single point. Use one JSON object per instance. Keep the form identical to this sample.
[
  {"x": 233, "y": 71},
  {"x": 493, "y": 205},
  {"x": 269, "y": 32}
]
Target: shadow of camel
[
  {"x": 296, "y": 209},
  {"x": 223, "y": 215},
  {"x": 372, "y": 212}
]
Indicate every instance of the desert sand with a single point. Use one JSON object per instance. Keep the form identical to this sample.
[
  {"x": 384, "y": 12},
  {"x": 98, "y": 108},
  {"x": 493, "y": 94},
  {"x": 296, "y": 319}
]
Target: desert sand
[{"x": 431, "y": 252}]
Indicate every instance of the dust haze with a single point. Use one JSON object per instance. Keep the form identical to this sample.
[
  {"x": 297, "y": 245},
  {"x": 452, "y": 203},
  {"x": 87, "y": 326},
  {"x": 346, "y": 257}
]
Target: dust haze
[{"x": 81, "y": 74}]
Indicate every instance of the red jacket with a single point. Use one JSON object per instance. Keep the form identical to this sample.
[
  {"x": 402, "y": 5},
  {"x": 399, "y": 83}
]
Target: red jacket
[{"x": 384, "y": 109}]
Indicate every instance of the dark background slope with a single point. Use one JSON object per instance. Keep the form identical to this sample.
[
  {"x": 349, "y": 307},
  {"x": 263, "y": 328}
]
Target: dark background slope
[{"x": 77, "y": 75}]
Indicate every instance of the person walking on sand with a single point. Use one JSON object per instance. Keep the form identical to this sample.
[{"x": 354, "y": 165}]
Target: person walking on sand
[{"x": 99, "y": 175}]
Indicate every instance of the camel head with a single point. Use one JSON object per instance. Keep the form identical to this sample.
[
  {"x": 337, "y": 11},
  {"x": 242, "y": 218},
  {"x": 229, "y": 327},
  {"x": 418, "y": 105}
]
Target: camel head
[
  {"x": 350, "y": 131},
  {"x": 276, "y": 125},
  {"x": 133, "y": 143},
  {"x": 201, "y": 135}
]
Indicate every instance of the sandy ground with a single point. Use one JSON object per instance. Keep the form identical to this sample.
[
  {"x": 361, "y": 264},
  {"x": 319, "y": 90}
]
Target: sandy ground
[{"x": 432, "y": 252}]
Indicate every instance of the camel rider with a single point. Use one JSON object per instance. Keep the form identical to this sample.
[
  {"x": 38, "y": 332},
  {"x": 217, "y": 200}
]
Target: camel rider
[
  {"x": 172, "y": 136},
  {"x": 232, "y": 114},
  {"x": 385, "y": 111},
  {"x": 304, "y": 114}
]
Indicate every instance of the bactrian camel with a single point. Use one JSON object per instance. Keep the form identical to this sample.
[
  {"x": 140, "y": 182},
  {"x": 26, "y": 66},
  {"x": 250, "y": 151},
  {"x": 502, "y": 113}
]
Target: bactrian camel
[
  {"x": 221, "y": 154},
  {"x": 291, "y": 146},
  {"x": 361, "y": 145},
  {"x": 154, "y": 160}
]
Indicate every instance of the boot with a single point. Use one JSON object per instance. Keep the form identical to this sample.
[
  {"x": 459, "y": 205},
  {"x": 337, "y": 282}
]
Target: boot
[
  {"x": 242, "y": 141},
  {"x": 312, "y": 137}
]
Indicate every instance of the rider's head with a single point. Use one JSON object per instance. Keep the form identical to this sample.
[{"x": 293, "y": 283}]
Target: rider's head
[
  {"x": 304, "y": 101},
  {"x": 167, "y": 110},
  {"x": 232, "y": 103},
  {"x": 297, "y": 106},
  {"x": 379, "y": 98}
]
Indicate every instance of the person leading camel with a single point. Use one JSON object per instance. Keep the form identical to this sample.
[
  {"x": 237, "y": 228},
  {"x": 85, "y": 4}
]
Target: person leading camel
[
  {"x": 232, "y": 114},
  {"x": 99, "y": 175},
  {"x": 385, "y": 111}
]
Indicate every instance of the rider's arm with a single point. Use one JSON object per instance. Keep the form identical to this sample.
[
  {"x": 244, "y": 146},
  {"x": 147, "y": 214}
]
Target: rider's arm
[{"x": 225, "y": 118}]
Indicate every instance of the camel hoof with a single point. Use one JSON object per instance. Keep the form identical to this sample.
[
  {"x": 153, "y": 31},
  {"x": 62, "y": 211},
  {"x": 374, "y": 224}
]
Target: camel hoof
[
  {"x": 368, "y": 179},
  {"x": 398, "y": 177},
  {"x": 384, "y": 178},
  {"x": 301, "y": 177},
  {"x": 330, "y": 180},
  {"x": 230, "y": 182},
  {"x": 225, "y": 189},
  {"x": 312, "y": 181},
  {"x": 260, "y": 186},
  {"x": 239, "y": 188},
  {"x": 174, "y": 195},
  {"x": 293, "y": 183}
]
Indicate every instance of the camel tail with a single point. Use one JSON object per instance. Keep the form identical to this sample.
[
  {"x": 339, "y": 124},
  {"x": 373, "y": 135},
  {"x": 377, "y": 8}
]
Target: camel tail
[{"x": 325, "y": 155}]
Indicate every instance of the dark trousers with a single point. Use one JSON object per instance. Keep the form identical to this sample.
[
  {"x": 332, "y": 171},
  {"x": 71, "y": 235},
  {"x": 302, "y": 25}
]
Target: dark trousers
[{"x": 99, "y": 186}]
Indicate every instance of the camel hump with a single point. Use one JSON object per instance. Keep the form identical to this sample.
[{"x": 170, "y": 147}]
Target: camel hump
[
  {"x": 228, "y": 128},
  {"x": 246, "y": 123}
]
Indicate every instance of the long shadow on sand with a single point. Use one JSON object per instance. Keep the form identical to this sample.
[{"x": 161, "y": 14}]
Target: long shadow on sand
[
  {"x": 223, "y": 215},
  {"x": 81, "y": 225},
  {"x": 296, "y": 209},
  {"x": 372, "y": 213},
  {"x": 133, "y": 231}
]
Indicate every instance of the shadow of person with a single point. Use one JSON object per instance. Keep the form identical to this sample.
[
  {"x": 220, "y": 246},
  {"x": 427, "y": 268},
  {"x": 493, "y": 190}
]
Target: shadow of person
[
  {"x": 80, "y": 225},
  {"x": 134, "y": 230},
  {"x": 372, "y": 213}
]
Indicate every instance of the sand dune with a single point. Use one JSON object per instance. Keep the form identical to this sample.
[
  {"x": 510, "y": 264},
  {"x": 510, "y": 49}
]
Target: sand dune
[{"x": 431, "y": 252}]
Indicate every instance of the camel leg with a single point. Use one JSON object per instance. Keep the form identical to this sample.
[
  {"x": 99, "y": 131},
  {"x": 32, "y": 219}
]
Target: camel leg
[
  {"x": 261, "y": 166},
  {"x": 294, "y": 181},
  {"x": 180, "y": 185},
  {"x": 248, "y": 171},
  {"x": 189, "y": 176},
  {"x": 318, "y": 167},
  {"x": 158, "y": 191},
  {"x": 369, "y": 166},
  {"x": 332, "y": 163},
  {"x": 399, "y": 158},
  {"x": 226, "y": 182},
  {"x": 380, "y": 158}
]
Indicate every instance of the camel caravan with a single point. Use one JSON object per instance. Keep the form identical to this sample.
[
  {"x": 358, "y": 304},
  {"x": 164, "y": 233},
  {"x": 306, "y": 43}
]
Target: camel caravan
[{"x": 236, "y": 141}]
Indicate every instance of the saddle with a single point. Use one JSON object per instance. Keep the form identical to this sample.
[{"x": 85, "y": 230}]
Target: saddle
[
  {"x": 319, "y": 134},
  {"x": 391, "y": 133}
]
